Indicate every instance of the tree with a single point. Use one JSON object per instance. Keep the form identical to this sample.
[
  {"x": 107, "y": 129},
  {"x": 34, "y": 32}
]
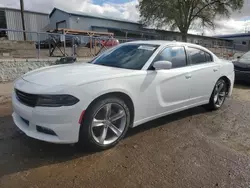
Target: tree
[
  {"x": 182, "y": 14},
  {"x": 22, "y": 17}
]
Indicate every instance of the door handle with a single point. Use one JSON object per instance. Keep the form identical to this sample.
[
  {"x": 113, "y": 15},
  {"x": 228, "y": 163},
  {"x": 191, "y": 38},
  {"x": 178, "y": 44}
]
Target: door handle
[
  {"x": 188, "y": 76},
  {"x": 215, "y": 69}
]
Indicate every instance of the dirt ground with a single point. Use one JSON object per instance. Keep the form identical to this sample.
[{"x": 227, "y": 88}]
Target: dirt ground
[{"x": 194, "y": 148}]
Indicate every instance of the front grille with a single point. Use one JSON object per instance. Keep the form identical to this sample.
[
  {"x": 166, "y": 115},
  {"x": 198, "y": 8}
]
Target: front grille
[{"x": 26, "y": 98}]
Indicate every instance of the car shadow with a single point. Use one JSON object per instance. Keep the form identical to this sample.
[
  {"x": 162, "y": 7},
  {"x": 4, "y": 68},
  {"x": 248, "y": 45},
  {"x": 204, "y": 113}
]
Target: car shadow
[
  {"x": 19, "y": 152},
  {"x": 242, "y": 85},
  {"x": 163, "y": 121}
]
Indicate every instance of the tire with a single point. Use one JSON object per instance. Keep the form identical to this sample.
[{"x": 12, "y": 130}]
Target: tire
[
  {"x": 88, "y": 135},
  {"x": 217, "y": 104}
]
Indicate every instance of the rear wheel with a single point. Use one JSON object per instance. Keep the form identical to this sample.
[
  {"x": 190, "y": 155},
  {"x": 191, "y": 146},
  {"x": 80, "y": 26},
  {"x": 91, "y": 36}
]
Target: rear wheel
[
  {"x": 218, "y": 96},
  {"x": 105, "y": 123}
]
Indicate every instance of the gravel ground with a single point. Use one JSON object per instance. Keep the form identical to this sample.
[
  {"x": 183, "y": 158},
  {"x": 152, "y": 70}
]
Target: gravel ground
[{"x": 194, "y": 148}]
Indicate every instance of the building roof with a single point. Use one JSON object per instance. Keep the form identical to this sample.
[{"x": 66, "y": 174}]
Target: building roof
[
  {"x": 156, "y": 32},
  {"x": 78, "y": 13},
  {"x": 142, "y": 31},
  {"x": 234, "y": 35},
  {"x": 28, "y": 11},
  {"x": 191, "y": 35}
]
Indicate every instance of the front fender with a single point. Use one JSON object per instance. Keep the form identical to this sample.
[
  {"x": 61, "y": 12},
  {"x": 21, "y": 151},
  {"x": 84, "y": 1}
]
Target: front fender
[{"x": 94, "y": 90}]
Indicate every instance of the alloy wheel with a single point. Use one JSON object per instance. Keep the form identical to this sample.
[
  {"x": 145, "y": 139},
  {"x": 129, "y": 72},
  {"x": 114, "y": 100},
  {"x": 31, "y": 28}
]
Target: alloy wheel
[
  {"x": 219, "y": 93},
  {"x": 108, "y": 123}
]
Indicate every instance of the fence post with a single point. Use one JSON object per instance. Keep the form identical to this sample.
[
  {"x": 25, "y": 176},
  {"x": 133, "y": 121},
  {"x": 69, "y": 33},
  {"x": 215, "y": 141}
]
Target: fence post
[
  {"x": 38, "y": 38},
  {"x": 64, "y": 43},
  {"x": 90, "y": 44},
  {"x": 72, "y": 47},
  {"x": 49, "y": 37}
]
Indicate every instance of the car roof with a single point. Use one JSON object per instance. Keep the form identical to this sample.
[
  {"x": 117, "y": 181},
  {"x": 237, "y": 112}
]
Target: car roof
[
  {"x": 165, "y": 43},
  {"x": 154, "y": 42}
]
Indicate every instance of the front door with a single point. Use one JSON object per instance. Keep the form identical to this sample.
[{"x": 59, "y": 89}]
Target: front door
[
  {"x": 173, "y": 88},
  {"x": 169, "y": 89}
]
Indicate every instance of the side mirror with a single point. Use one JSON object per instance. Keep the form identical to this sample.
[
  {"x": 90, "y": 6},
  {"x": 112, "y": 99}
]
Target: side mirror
[
  {"x": 238, "y": 57},
  {"x": 159, "y": 65}
]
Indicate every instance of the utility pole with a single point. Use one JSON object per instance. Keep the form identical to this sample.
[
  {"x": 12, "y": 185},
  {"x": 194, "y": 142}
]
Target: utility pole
[{"x": 22, "y": 17}]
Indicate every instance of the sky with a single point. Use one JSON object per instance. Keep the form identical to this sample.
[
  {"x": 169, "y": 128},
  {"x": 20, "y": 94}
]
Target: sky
[{"x": 238, "y": 22}]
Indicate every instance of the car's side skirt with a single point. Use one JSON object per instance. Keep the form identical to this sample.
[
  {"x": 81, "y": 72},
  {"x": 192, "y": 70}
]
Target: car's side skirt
[{"x": 169, "y": 112}]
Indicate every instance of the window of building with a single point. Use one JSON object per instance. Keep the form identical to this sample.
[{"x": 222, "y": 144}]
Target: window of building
[
  {"x": 176, "y": 55},
  {"x": 198, "y": 56},
  {"x": 244, "y": 42}
]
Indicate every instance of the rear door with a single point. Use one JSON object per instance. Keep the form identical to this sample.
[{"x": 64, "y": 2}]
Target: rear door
[{"x": 204, "y": 73}]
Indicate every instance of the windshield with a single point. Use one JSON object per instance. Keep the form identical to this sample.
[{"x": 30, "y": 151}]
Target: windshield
[
  {"x": 128, "y": 56},
  {"x": 246, "y": 56}
]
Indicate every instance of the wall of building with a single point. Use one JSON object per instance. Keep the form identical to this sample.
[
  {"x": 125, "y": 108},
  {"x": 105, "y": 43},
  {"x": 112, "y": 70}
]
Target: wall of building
[
  {"x": 59, "y": 16},
  {"x": 33, "y": 22},
  {"x": 209, "y": 42},
  {"x": 2, "y": 19},
  {"x": 196, "y": 39},
  {"x": 241, "y": 43},
  {"x": 85, "y": 23}
]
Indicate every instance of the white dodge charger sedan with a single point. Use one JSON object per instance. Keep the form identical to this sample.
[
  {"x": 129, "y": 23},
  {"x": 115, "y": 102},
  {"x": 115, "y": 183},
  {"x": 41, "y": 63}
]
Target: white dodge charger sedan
[{"x": 95, "y": 103}]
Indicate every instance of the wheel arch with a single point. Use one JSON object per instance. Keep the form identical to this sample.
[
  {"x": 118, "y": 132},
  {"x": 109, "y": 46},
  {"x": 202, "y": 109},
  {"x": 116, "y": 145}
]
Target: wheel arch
[
  {"x": 228, "y": 82},
  {"x": 119, "y": 94}
]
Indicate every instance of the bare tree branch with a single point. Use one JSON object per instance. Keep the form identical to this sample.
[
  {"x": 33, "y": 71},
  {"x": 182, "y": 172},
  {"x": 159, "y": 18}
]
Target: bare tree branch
[{"x": 183, "y": 13}]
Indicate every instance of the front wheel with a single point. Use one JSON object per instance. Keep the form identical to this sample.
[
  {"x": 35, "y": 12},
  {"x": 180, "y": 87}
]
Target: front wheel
[
  {"x": 218, "y": 96},
  {"x": 105, "y": 123}
]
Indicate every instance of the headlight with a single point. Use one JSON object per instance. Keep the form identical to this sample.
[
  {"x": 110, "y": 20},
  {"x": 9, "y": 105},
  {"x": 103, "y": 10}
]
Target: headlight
[{"x": 56, "y": 100}]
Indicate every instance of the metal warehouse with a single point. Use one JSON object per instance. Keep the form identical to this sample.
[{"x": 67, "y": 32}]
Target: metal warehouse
[
  {"x": 11, "y": 19},
  {"x": 122, "y": 29},
  {"x": 82, "y": 21},
  {"x": 241, "y": 40}
]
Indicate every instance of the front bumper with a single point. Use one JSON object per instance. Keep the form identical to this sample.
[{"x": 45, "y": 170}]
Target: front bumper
[{"x": 63, "y": 121}]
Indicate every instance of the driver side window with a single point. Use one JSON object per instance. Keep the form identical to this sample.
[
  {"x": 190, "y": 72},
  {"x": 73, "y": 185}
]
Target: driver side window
[{"x": 176, "y": 55}]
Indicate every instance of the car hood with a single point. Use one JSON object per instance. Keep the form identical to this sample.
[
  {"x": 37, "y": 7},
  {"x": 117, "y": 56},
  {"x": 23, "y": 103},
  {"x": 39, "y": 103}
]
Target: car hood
[
  {"x": 245, "y": 64},
  {"x": 241, "y": 62},
  {"x": 75, "y": 74}
]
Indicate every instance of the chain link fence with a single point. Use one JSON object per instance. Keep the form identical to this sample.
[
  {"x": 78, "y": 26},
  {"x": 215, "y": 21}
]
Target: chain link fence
[
  {"x": 48, "y": 45},
  {"x": 45, "y": 45}
]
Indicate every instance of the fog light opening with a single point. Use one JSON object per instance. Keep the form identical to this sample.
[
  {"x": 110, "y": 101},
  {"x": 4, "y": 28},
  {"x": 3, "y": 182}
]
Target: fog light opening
[{"x": 45, "y": 130}]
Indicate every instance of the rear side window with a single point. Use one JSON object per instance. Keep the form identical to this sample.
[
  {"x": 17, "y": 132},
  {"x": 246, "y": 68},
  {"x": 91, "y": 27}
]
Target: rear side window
[
  {"x": 208, "y": 57},
  {"x": 176, "y": 55},
  {"x": 198, "y": 56}
]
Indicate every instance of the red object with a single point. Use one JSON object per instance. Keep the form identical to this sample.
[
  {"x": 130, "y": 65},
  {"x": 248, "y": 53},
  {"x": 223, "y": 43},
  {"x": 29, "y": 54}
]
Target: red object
[
  {"x": 110, "y": 42},
  {"x": 81, "y": 117}
]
